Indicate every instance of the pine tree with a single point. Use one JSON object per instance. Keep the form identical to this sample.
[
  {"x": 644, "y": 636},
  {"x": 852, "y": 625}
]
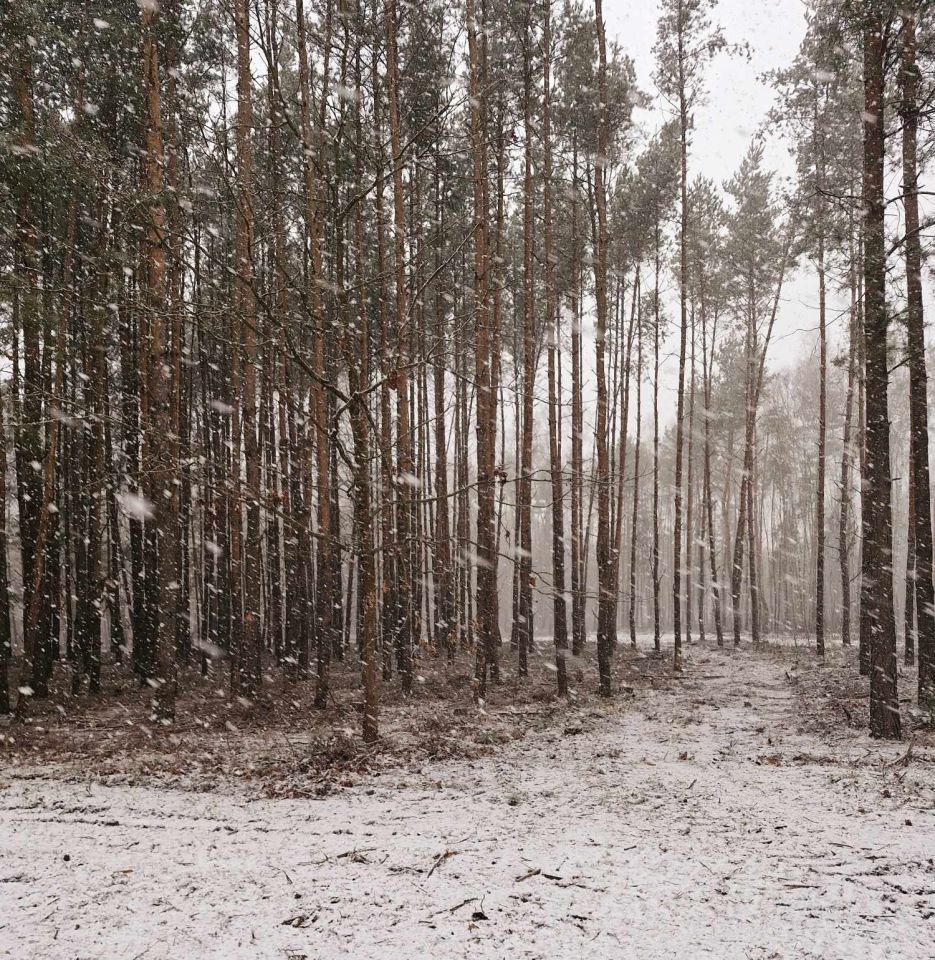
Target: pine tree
[{"x": 876, "y": 581}]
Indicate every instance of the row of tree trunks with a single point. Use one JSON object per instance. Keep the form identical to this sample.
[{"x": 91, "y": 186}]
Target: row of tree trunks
[{"x": 210, "y": 517}]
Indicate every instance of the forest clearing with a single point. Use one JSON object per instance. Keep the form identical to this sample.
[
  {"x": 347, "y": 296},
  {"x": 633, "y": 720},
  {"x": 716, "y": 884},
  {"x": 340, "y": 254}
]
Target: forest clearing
[{"x": 731, "y": 812}]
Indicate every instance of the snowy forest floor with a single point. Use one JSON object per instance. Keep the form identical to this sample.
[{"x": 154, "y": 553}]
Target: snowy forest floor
[{"x": 738, "y": 811}]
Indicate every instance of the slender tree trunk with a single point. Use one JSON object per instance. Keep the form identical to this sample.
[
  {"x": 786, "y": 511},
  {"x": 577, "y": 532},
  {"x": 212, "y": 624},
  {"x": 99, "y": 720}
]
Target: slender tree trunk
[
  {"x": 636, "y": 457},
  {"x": 577, "y": 425},
  {"x": 250, "y": 656},
  {"x": 622, "y": 455},
  {"x": 863, "y": 623},
  {"x": 388, "y": 598},
  {"x": 707, "y": 491},
  {"x": 744, "y": 498},
  {"x": 689, "y": 528},
  {"x": 97, "y": 593},
  {"x": 846, "y": 454},
  {"x": 559, "y": 615},
  {"x": 485, "y": 423},
  {"x": 524, "y": 610},
  {"x": 172, "y": 545},
  {"x": 358, "y": 357},
  {"x": 444, "y": 597},
  {"x": 313, "y": 189},
  {"x": 909, "y": 601},
  {"x": 405, "y": 466},
  {"x": 279, "y": 531},
  {"x": 822, "y": 420},
  {"x": 6, "y": 632},
  {"x": 657, "y": 645},
  {"x": 753, "y": 558},
  {"x": 683, "y": 333},
  {"x": 605, "y": 587},
  {"x": 27, "y": 434}
]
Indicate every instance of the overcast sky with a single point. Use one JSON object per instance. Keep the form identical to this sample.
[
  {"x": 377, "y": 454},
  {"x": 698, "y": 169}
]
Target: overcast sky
[
  {"x": 737, "y": 99},
  {"x": 737, "y": 103}
]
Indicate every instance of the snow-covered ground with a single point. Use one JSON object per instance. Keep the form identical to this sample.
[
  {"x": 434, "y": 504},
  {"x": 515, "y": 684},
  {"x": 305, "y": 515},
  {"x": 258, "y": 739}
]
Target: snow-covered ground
[{"x": 691, "y": 821}]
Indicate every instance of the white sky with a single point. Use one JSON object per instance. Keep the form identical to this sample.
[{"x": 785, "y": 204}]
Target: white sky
[
  {"x": 737, "y": 103},
  {"x": 737, "y": 99}
]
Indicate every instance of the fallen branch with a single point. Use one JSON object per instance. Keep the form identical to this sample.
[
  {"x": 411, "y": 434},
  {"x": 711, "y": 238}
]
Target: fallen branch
[
  {"x": 439, "y": 860},
  {"x": 903, "y": 761},
  {"x": 457, "y": 906}
]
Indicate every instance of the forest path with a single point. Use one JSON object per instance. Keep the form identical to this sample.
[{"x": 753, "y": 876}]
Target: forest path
[{"x": 691, "y": 820}]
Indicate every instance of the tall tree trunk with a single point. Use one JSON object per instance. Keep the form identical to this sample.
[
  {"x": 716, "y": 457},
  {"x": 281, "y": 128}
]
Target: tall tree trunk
[
  {"x": 622, "y": 454},
  {"x": 846, "y": 455},
  {"x": 689, "y": 528},
  {"x": 909, "y": 599},
  {"x": 446, "y": 632},
  {"x": 405, "y": 467},
  {"x": 822, "y": 393},
  {"x": 358, "y": 357},
  {"x": 743, "y": 525},
  {"x": 636, "y": 457},
  {"x": 707, "y": 491},
  {"x": 683, "y": 333},
  {"x": 313, "y": 190},
  {"x": 6, "y": 632},
  {"x": 279, "y": 531},
  {"x": 756, "y": 369},
  {"x": 250, "y": 655},
  {"x": 27, "y": 436},
  {"x": 96, "y": 590},
  {"x": 877, "y": 579},
  {"x": 753, "y": 558},
  {"x": 606, "y": 588},
  {"x": 388, "y": 601},
  {"x": 920, "y": 488},
  {"x": 577, "y": 423},
  {"x": 485, "y": 424},
  {"x": 524, "y": 609},
  {"x": 158, "y": 588},
  {"x": 657, "y": 640},
  {"x": 559, "y": 615}
]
